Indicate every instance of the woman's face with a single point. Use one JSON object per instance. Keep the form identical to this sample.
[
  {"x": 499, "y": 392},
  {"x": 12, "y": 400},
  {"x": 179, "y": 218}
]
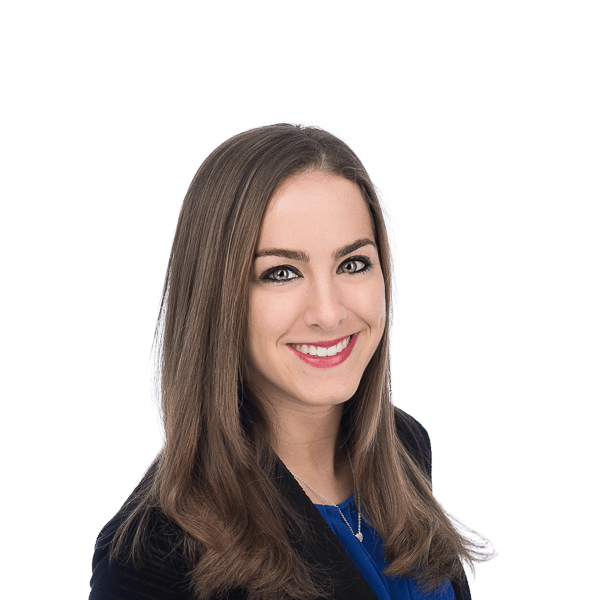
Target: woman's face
[{"x": 316, "y": 288}]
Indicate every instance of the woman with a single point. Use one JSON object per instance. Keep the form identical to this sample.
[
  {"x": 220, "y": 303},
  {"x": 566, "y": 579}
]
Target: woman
[{"x": 286, "y": 471}]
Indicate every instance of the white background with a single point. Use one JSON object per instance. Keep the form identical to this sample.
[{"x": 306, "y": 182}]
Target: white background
[{"x": 478, "y": 122}]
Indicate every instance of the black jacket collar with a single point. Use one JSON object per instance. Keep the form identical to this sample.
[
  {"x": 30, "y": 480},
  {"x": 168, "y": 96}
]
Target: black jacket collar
[{"x": 319, "y": 546}]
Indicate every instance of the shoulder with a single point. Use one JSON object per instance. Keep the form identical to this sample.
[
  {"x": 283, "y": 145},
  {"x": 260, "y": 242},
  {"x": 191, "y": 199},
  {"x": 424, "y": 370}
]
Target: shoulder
[
  {"x": 415, "y": 439},
  {"x": 160, "y": 571}
]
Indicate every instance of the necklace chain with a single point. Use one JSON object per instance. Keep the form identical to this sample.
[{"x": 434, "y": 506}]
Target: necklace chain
[{"x": 358, "y": 535}]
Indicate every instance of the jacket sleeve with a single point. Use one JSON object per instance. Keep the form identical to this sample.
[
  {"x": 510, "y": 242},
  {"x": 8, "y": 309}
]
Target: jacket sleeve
[
  {"x": 120, "y": 581},
  {"x": 415, "y": 439},
  {"x": 162, "y": 573}
]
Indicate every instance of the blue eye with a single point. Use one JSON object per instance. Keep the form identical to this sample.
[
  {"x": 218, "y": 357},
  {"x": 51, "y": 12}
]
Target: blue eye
[
  {"x": 280, "y": 274},
  {"x": 356, "y": 265}
]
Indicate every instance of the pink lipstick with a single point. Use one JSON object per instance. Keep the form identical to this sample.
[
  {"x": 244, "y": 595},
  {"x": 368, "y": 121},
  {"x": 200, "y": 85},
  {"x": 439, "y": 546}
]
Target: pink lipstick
[{"x": 326, "y": 362}]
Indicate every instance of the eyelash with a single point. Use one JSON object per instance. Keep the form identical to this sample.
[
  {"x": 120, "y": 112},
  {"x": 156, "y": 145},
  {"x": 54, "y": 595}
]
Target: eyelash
[{"x": 368, "y": 265}]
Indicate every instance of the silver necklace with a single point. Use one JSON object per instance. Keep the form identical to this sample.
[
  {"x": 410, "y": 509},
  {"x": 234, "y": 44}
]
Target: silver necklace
[{"x": 358, "y": 535}]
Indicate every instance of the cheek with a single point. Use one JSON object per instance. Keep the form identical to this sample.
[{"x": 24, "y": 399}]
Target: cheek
[
  {"x": 370, "y": 304},
  {"x": 269, "y": 317}
]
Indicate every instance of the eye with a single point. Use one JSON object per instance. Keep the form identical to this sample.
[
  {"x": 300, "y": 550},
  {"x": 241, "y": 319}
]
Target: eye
[
  {"x": 355, "y": 265},
  {"x": 280, "y": 274}
]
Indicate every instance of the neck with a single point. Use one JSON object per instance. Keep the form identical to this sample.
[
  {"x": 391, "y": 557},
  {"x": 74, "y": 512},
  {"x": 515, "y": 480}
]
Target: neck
[{"x": 308, "y": 441}]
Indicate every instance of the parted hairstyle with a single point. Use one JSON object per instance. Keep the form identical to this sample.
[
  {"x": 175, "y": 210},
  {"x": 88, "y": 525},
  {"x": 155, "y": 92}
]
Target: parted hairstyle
[{"x": 209, "y": 479}]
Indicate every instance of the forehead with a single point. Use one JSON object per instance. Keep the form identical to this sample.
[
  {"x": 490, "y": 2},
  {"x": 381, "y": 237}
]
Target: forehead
[{"x": 316, "y": 209}]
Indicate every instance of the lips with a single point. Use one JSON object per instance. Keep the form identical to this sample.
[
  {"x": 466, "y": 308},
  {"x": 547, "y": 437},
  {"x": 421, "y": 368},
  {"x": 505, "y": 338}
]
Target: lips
[
  {"x": 326, "y": 344},
  {"x": 322, "y": 349},
  {"x": 334, "y": 356}
]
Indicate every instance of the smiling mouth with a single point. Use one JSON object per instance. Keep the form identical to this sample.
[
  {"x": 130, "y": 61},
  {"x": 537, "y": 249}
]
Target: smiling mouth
[{"x": 322, "y": 351}]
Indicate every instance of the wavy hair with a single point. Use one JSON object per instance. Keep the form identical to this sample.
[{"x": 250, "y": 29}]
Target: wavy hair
[{"x": 209, "y": 479}]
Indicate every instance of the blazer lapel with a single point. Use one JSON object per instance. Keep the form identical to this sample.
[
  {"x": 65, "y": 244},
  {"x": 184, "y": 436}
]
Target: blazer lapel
[{"x": 319, "y": 546}]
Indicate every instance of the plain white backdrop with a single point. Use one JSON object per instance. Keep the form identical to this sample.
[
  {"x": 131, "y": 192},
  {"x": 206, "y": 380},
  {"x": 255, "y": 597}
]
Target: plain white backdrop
[{"x": 479, "y": 124}]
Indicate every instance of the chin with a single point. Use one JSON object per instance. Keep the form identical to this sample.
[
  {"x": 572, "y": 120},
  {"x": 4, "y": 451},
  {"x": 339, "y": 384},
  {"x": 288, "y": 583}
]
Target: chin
[{"x": 328, "y": 397}]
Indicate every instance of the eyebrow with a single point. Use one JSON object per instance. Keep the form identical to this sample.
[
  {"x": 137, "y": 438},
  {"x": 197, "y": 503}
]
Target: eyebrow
[{"x": 303, "y": 257}]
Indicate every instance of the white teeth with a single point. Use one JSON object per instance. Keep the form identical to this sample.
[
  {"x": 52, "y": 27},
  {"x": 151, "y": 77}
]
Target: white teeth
[{"x": 321, "y": 351}]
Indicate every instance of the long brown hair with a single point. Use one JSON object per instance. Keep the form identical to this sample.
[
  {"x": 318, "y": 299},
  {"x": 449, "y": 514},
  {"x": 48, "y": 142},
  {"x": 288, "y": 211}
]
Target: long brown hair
[{"x": 209, "y": 478}]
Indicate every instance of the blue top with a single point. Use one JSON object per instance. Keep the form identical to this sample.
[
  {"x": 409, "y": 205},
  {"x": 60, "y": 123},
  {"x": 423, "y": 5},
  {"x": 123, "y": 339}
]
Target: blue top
[{"x": 369, "y": 559}]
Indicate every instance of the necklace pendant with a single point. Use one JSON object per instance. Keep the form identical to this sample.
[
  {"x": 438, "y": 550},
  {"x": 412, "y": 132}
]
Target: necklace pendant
[{"x": 359, "y": 535}]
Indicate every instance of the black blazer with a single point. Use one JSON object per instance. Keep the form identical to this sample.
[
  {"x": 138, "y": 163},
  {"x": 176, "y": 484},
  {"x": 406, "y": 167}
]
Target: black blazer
[{"x": 164, "y": 575}]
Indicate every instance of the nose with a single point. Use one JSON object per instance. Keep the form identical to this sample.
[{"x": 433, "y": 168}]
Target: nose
[{"x": 325, "y": 307}]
